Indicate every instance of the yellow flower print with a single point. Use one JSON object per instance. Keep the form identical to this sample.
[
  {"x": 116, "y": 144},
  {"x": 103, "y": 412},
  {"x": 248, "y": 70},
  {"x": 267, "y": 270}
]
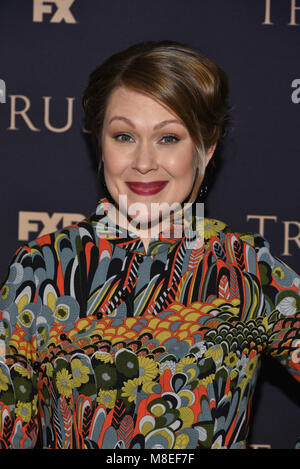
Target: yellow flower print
[
  {"x": 26, "y": 318},
  {"x": 188, "y": 366},
  {"x": 3, "y": 381},
  {"x": 104, "y": 357},
  {"x": 130, "y": 388},
  {"x": 231, "y": 359},
  {"x": 187, "y": 416},
  {"x": 251, "y": 366},
  {"x": 23, "y": 410},
  {"x": 181, "y": 441},
  {"x": 278, "y": 272},
  {"x": 212, "y": 227},
  {"x": 243, "y": 383},
  {"x": 205, "y": 381},
  {"x": 148, "y": 369},
  {"x": 4, "y": 292},
  {"x": 148, "y": 386},
  {"x": 49, "y": 370},
  {"x": 185, "y": 361},
  {"x": 34, "y": 405},
  {"x": 22, "y": 371},
  {"x": 42, "y": 335},
  {"x": 107, "y": 398},
  {"x": 216, "y": 352},
  {"x": 80, "y": 372},
  {"x": 247, "y": 238},
  {"x": 64, "y": 382},
  {"x": 61, "y": 312}
]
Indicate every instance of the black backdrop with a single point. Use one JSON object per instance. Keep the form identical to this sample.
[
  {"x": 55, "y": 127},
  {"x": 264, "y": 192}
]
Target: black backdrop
[{"x": 48, "y": 177}]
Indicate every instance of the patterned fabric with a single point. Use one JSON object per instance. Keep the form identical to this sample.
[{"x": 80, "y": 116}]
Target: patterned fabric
[{"x": 104, "y": 345}]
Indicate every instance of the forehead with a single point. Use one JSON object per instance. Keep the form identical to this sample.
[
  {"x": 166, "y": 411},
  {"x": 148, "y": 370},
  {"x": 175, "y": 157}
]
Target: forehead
[{"x": 130, "y": 102}]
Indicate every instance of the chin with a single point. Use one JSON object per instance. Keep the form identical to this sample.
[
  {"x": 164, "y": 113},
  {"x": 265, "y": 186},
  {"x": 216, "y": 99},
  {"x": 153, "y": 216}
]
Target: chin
[{"x": 143, "y": 222}]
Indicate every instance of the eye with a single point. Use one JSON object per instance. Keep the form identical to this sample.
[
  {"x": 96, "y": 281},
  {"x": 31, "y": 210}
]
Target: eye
[
  {"x": 170, "y": 139},
  {"x": 123, "y": 138}
]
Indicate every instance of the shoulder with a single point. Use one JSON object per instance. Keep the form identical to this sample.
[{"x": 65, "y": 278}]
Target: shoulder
[
  {"x": 67, "y": 236},
  {"x": 248, "y": 249},
  {"x": 46, "y": 252},
  {"x": 238, "y": 247},
  {"x": 215, "y": 228}
]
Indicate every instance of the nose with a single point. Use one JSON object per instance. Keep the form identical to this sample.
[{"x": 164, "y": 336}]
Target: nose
[{"x": 145, "y": 158}]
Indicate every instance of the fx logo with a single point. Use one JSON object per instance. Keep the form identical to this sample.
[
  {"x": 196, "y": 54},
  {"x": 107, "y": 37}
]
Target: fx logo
[
  {"x": 62, "y": 13},
  {"x": 2, "y": 91},
  {"x": 41, "y": 223}
]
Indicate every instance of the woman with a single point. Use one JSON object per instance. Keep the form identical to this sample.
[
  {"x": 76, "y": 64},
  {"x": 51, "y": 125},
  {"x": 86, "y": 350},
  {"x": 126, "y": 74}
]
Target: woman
[{"x": 137, "y": 327}]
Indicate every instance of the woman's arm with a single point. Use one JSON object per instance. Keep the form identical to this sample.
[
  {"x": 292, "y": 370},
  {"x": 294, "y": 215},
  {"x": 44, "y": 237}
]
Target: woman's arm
[
  {"x": 19, "y": 307},
  {"x": 281, "y": 289}
]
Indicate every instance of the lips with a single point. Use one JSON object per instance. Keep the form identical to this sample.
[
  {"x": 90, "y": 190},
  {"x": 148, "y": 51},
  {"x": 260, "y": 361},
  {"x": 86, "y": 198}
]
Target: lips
[{"x": 146, "y": 188}]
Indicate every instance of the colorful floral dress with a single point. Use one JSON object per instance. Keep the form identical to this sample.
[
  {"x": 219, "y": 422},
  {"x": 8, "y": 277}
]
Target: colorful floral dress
[{"x": 104, "y": 345}]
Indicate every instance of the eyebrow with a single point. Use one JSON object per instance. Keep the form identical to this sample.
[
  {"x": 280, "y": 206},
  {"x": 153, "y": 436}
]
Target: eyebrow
[{"x": 157, "y": 126}]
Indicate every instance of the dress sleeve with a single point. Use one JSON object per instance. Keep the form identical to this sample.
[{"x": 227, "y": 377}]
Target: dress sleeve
[
  {"x": 281, "y": 290},
  {"x": 19, "y": 306}
]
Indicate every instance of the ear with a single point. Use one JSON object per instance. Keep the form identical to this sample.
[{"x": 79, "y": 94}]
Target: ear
[{"x": 209, "y": 153}]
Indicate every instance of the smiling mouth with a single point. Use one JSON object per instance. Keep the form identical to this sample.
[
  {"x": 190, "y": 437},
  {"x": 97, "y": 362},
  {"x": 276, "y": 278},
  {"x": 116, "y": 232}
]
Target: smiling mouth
[{"x": 146, "y": 188}]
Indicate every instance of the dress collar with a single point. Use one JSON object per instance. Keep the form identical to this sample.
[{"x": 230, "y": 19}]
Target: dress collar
[{"x": 187, "y": 226}]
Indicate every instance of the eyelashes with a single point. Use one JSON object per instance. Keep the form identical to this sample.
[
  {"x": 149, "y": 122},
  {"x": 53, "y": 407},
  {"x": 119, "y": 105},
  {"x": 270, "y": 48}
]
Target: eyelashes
[
  {"x": 165, "y": 140},
  {"x": 120, "y": 138},
  {"x": 173, "y": 137}
]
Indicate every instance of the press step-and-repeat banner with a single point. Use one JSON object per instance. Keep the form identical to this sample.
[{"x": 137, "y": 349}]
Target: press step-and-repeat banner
[{"x": 48, "y": 168}]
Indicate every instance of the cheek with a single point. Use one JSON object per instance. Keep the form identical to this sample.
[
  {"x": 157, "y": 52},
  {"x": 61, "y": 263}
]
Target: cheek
[
  {"x": 182, "y": 164},
  {"x": 114, "y": 163}
]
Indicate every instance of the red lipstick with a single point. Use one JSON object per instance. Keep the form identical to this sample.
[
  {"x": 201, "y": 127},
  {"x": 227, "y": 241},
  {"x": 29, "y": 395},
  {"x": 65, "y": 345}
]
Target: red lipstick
[{"x": 146, "y": 188}]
